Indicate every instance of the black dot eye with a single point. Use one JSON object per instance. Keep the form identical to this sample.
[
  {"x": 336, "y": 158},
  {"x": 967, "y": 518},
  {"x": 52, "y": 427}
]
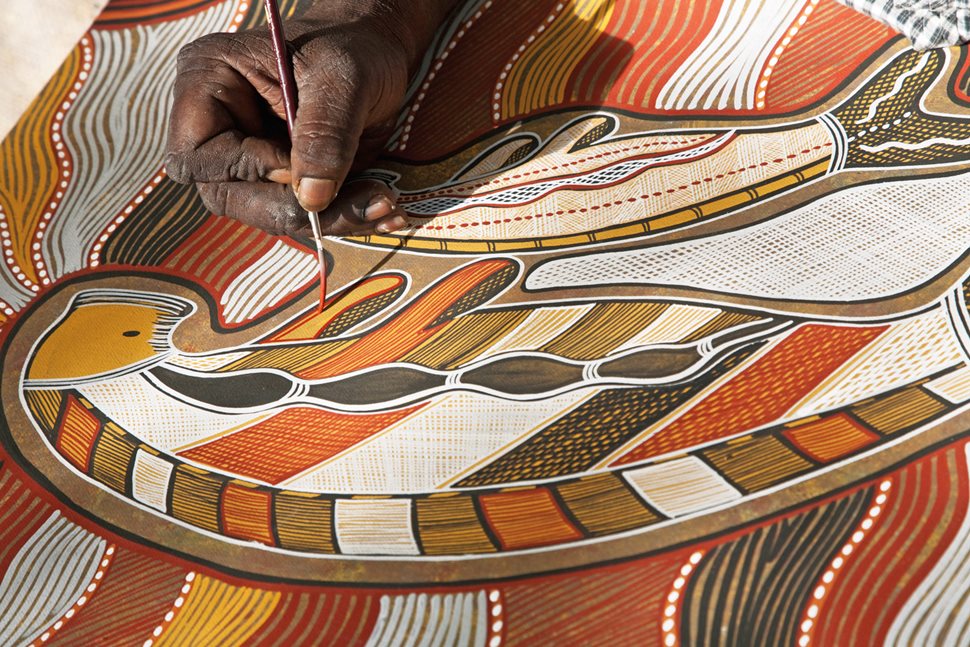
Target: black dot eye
[{"x": 131, "y": 333}]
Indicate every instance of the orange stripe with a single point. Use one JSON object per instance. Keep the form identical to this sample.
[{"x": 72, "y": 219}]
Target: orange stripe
[
  {"x": 415, "y": 324},
  {"x": 78, "y": 430},
  {"x": 291, "y": 442},
  {"x": 311, "y": 325},
  {"x": 762, "y": 392},
  {"x": 247, "y": 513},
  {"x": 831, "y": 438},
  {"x": 527, "y": 518}
]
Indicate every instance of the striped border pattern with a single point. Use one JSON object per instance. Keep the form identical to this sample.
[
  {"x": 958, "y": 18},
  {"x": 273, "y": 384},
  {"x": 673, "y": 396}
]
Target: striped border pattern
[{"x": 489, "y": 519}]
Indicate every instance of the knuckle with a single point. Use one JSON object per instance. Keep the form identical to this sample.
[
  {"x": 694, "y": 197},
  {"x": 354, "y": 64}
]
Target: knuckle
[
  {"x": 324, "y": 146},
  {"x": 288, "y": 219},
  {"x": 213, "y": 197},
  {"x": 207, "y": 47},
  {"x": 177, "y": 167}
]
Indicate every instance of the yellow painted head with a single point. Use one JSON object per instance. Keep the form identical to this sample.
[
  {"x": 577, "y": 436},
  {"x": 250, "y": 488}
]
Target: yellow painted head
[{"x": 106, "y": 333}]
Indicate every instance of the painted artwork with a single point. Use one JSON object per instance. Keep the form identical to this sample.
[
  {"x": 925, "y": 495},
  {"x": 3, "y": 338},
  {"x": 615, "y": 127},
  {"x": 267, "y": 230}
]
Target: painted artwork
[{"x": 674, "y": 350}]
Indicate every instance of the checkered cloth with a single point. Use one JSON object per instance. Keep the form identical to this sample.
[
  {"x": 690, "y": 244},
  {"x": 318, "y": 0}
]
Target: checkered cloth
[{"x": 927, "y": 23}]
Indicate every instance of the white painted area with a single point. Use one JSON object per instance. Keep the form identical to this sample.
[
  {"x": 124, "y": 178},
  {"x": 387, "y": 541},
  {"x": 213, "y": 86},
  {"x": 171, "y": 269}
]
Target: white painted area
[
  {"x": 682, "y": 486},
  {"x": 873, "y": 241}
]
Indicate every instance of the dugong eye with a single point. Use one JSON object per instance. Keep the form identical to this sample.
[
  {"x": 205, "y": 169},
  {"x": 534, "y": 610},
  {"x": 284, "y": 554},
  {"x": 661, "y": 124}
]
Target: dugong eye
[{"x": 131, "y": 333}]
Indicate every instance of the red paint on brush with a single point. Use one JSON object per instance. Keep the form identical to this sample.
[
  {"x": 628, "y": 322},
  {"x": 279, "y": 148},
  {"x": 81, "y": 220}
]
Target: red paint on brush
[{"x": 323, "y": 287}]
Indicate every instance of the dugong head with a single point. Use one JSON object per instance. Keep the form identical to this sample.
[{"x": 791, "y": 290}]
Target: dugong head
[{"x": 105, "y": 333}]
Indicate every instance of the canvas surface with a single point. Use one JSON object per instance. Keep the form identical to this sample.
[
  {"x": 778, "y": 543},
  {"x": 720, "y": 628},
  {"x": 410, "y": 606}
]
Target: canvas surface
[{"x": 674, "y": 350}]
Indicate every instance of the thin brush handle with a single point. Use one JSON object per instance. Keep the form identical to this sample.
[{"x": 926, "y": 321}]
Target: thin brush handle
[
  {"x": 282, "y": 62},
  {"x": 288, "y": 86}
]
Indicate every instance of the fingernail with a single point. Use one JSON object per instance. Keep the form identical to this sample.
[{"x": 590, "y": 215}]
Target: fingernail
[
  {"x": 315, "y": 194},
  {"x": 378, "y": 208},
  {"x": 280, "y": 176},
  {"x": 395, "y": 223}
]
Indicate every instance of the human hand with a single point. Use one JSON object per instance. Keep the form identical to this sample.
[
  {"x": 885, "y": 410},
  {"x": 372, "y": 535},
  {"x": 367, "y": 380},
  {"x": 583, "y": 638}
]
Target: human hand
[{"x": 227, "y": 131}]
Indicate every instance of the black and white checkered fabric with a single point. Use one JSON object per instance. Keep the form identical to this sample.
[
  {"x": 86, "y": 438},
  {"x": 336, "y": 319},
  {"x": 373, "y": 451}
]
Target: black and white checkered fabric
[{"x": 927, "y": 23}]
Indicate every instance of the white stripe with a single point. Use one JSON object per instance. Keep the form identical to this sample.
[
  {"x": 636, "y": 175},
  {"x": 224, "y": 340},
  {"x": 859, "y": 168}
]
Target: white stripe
[
  {"x": 681, "y": 486},
  {"x": 46, "y": 577},
  {"x": 726, "y": 67},
  {"x": 867, "y": 242},
  {"x": 915, "y": 146},
  {"x": 277, "y": 274},
  {"x": 430, "y": 620},
  {"x": 115, "y": 130},
  {"x": 237, "y": 290},
  {"x": 897, "y": 86}
]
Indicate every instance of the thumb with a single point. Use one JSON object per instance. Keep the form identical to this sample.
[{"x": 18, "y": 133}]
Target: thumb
[{"x": 329, "y": 124}]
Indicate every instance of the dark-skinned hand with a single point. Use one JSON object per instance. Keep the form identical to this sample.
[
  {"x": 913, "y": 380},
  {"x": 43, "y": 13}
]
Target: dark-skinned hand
[{"x": 351, "y": 64}]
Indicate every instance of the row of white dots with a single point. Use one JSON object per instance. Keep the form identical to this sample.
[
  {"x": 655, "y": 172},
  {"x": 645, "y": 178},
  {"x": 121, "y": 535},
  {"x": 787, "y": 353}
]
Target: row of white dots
[
  {"x": 825, "y": 582},
  {"x": 6, "y": 242},
  {"x": 669, "y": 623},
  {"x": 239, "y": 17},
  {"x": 497, "y": 97},
  {"x": 885, "y": 126},
  {"x": 779, "y": 50},
  {"x": 435, "y": 68},
  {"x": 81, "y": 601},
  {"x": 5, "y": 308},
  {"x": 170, "y": 615},
  {"x": 64, "y": 163},
  {"x": 94, "y": 257},
  {"x": 495, "y": 615}
]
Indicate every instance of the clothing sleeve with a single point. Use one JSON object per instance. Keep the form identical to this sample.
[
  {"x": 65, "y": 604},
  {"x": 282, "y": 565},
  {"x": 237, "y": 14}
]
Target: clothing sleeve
[{"x": 927, "y": 23}]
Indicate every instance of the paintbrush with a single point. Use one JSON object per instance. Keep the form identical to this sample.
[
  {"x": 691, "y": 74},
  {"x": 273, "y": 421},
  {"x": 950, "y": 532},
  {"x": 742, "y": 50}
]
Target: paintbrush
[{"x": 288, "y": 87}]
